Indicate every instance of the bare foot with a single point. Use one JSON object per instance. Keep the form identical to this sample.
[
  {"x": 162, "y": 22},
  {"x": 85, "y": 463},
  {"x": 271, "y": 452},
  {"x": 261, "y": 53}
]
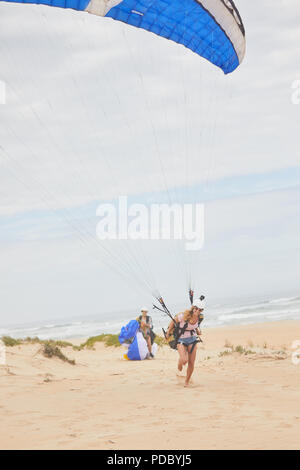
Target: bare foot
[
  {"x": 186, "y": 384},
  {"x": 180, "y": 378},
  {"x": 180, "y": 366}
]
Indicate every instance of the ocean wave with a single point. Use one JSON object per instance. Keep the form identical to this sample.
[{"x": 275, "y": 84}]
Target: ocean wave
[
  {"x": 283, "y": 308},
  {"x": 262, "y": 307},
  {"x": 226, "y": 318},
  {"x": 285, "y": 300}
]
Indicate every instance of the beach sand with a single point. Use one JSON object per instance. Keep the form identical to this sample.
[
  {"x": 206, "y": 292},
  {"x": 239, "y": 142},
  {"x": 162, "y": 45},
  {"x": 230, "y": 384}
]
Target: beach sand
[{"x": 236, "y": 401}]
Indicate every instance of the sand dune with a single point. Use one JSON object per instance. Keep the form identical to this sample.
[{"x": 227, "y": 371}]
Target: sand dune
[{"x": 236, "y": 401}]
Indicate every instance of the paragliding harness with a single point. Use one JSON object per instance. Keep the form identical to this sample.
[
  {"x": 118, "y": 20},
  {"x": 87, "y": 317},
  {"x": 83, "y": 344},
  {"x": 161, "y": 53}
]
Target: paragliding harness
[
  {"x": 178, "y": 331},
  {"x": 181, "y": 332},
  {"x": 176, "y": 334}
]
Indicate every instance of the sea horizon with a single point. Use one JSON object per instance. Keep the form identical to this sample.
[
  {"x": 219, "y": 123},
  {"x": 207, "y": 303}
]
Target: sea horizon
[{"x": 215, "y": 315}]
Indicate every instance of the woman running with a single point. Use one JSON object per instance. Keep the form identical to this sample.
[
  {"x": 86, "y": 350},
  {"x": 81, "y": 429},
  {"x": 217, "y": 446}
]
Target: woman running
[{"x": 188, "y": 335}]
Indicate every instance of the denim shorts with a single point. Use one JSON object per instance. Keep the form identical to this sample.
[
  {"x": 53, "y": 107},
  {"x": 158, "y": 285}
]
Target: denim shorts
[{"x": 188, "y": 340}]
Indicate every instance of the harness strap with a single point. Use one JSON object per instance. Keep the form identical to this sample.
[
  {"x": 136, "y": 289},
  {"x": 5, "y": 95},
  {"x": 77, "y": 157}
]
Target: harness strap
[
  {"x": 193, "y": 346},
  {"x": 181, "y": 331}
]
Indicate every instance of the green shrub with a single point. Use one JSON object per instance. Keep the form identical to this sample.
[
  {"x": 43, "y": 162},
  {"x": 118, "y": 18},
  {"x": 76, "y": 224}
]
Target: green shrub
[
  {"x": 240, "y": 349},
  {"x": 227, "y": 352},
  {"x": 9, "y": 342},
  {"x": 228, "y": 344},
  {"x": 112, "y": 340},
  {"x": 50, "y": 350},
  {"x": 160, "y": 341},
  {"x": 107, "y": 339}
]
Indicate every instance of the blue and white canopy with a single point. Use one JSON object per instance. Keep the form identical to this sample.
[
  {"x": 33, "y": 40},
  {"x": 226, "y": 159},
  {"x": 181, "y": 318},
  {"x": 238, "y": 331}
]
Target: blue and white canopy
[
  {"x": 211, "y": 28},
  {"x": 137, "y": 347}
]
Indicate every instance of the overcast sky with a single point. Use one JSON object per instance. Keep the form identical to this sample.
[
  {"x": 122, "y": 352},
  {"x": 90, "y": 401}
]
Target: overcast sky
[{"x": 96, "y": 109}]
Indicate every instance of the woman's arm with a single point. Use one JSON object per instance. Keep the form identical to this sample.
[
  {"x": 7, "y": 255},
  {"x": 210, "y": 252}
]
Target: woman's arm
[
  {"x": 141, "y": 323},
  {"x": 171, "y": 328}
]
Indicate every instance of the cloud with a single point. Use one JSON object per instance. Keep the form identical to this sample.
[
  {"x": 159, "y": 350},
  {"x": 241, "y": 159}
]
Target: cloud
[
  {"x": 250, "y": 248},
  {"x": 96, "y": 109}
]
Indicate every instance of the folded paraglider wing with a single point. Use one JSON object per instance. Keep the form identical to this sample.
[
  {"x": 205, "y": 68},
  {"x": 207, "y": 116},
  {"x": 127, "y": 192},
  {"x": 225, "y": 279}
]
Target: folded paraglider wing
[
  {"x": 212, "y": 29},
  {"x": 138, "y": 350},
  {"x": 129, "y": 331}
]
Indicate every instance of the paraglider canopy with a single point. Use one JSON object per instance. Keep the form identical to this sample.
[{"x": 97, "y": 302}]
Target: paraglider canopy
[{"x": 212, "y": 29}]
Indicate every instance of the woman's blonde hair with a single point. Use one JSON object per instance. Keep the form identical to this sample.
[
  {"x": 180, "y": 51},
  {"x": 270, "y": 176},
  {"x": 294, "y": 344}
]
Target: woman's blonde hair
[{"x": 187, "y": 314}]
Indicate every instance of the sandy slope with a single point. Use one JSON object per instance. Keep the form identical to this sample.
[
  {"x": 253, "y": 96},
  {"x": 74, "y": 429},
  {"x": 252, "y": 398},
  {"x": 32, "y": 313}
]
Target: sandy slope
[{"x": 105, "y": 402}]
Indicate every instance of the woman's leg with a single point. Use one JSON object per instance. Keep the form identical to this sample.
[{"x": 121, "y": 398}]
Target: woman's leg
[
  {"x": 183, "y": 356},
  {"x": 149, "y": 344},
  {"x": 191, "y": 364}
]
